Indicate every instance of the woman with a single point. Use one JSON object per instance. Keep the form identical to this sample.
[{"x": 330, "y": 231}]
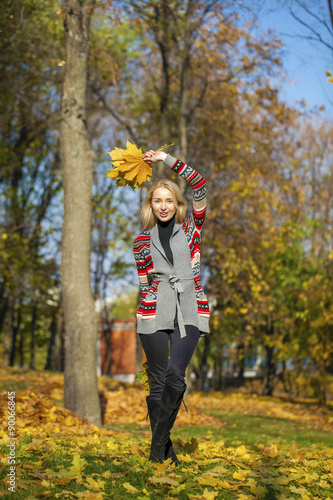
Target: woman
[{"x": 174, "y": 308}]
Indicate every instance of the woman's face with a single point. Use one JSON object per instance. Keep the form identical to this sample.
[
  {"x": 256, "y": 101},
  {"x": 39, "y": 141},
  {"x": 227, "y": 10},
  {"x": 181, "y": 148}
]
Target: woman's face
[{"x": 162, "y": 204}]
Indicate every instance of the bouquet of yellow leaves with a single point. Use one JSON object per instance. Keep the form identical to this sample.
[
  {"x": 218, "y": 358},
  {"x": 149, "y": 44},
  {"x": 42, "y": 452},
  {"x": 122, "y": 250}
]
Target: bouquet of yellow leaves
[{"x": 129, "y": 169}]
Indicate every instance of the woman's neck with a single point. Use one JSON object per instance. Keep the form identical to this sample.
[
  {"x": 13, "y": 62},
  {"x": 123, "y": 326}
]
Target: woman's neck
[{"x": 167, "y": 223}]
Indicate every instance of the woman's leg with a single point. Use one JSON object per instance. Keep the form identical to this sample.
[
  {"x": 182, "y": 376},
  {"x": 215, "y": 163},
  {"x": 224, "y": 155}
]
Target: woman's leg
[
  {"x": 181, "y": 352},
  {"x": 156, "y": 348}
]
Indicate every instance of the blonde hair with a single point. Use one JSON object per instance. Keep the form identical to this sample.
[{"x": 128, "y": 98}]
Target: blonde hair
[{"x": 147, "y": 216}]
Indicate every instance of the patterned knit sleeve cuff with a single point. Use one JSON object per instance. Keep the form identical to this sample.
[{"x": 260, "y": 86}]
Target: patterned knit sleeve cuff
[{"x": 169, "y": 160}]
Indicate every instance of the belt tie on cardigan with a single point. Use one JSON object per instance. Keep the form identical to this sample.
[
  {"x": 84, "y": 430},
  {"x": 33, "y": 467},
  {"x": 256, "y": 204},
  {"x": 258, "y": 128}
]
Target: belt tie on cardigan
[{"x": 175, "y": 283}]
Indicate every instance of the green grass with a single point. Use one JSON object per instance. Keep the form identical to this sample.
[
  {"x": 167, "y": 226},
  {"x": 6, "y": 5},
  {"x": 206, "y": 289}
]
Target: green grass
[
  {"x": 9, "y": 385},
  {"x": 311, "y": 455},
  {"x": 246, "y": 429}
]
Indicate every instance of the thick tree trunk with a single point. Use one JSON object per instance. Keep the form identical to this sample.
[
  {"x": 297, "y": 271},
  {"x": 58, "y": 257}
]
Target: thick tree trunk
[{"x": 81, "y": 394}]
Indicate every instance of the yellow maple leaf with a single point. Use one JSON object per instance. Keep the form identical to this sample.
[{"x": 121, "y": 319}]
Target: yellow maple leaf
[
  {"x": 106, "y": 474},
  {"x": 96, "y": 485},
  {"x": 282, "y": 480},
  {"x": 209, "y": 495},
  {"x": 258, "y": 491},
  {"x": 271, "y": 451},
  {"x": 129, "y": 169},
  {"x": 186, "y": 458},
  {"x": 93, "y": 496},
  {"x": 207, "y": 480},
  {"x": 241, "y": 474},
  {"x": 130, "y": 488},
  {"x": 164, "y": 480}
]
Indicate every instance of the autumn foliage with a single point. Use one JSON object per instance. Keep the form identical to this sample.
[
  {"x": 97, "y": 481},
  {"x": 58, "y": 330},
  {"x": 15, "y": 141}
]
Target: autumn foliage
[
  {"x": 63, "y": 456},
  {"x": 129, "y": 169}
]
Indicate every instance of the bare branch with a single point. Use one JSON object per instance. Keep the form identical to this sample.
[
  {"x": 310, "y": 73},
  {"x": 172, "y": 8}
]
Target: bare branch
[
  {"x": 115, "y": 115},
  {"x": 317, "y": 38},
  {"x": 330, "y": 8}
]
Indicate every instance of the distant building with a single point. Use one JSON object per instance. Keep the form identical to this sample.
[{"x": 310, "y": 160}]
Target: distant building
[{"x": 117, "y": 349}]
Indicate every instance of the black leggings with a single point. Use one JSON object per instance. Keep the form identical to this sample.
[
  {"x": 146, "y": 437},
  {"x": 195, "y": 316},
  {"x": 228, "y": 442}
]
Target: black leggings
[{"x": 161, "y": 368}]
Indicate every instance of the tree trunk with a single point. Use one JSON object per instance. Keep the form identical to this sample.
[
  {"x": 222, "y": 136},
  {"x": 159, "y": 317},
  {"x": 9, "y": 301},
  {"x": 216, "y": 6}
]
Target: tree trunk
[
  {"x": 58, "y": 344},
  {"x": 218, "y": 365},
  {"x": 269, "y": 379},
  {"x": 205, "y": 367},
  {"x": 107, "y": 327},
  {"x": 240, "y": 364},
  {"x": 81, "y": 394},
  {"x": 32, "y": 343},
  {"x": 16, "y": 329},
  {"x": 21, "y": 349},
  {"x": 49, "y": 365},
  {"x": 7, "y": 330}
]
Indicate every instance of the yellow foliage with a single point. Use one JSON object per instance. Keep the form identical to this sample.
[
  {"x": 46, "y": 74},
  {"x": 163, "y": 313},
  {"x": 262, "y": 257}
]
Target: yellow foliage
[
  {"x": 129, "y": 169},
  {"x": 130, "y": 489},
  {"x": 241, "y": 474},
  {"x": 271, "y": 451},
  {"x": 164, "y": 480},
  {"x": 96, "y": 485},
  {"x": 258, "y": 491},
  {"x": 207, "y": 464}
]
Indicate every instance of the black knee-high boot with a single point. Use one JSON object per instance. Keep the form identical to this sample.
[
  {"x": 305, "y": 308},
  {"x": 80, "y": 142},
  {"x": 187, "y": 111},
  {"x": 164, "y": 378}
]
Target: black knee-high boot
[
  {"x": 153, "y": 406},
  {"x": 169, "y": 407}
]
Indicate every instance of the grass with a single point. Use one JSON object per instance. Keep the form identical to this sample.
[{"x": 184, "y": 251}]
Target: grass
[{"x": 251, "y": 456}]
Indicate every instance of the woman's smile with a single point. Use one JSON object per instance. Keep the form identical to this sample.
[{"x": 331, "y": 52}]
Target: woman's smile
[{"x": 162, "y": 204}]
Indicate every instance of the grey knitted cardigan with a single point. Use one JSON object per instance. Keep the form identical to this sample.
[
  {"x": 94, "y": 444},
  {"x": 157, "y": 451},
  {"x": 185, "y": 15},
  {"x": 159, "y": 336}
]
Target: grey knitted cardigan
[{"x": 169, "y": 289}]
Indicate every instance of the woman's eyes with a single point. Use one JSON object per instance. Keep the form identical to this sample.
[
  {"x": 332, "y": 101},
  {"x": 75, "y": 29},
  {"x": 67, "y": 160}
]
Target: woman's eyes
[{"x": 159, "y": 201}]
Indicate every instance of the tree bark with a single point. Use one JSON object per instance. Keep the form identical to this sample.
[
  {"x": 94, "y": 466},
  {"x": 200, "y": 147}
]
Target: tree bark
[
  {"x": 240, "y": 364},
  {"x": 21, "y": 348},
  {"x": 270, "y": 373},
  {"x": 58, "y": 344},
  {"x": 16, "y": 329},
  {"x": 218, "y": 365},
  {"x": 49, "y": 365},
  {"x": 205, "y": 367},
  {"x": 268, "y": 385},
  {"x": 81, "y": 393},
  {"x": 8, "y": 330},
  {"x": 33, "y": 337}
]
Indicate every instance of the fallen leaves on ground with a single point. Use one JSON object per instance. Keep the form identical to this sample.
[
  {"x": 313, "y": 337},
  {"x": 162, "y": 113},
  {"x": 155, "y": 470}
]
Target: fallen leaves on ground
[
  {"x": 60, "y": 455},
  {"x": 251, "y": 404}
]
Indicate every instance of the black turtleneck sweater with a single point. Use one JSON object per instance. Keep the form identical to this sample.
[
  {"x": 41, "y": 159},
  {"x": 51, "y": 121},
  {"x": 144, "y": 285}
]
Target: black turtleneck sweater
[{"x": 165, "y": 231}]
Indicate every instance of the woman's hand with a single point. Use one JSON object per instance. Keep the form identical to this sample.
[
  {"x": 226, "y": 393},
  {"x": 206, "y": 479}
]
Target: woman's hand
[{"x": 152, "y": 157}]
